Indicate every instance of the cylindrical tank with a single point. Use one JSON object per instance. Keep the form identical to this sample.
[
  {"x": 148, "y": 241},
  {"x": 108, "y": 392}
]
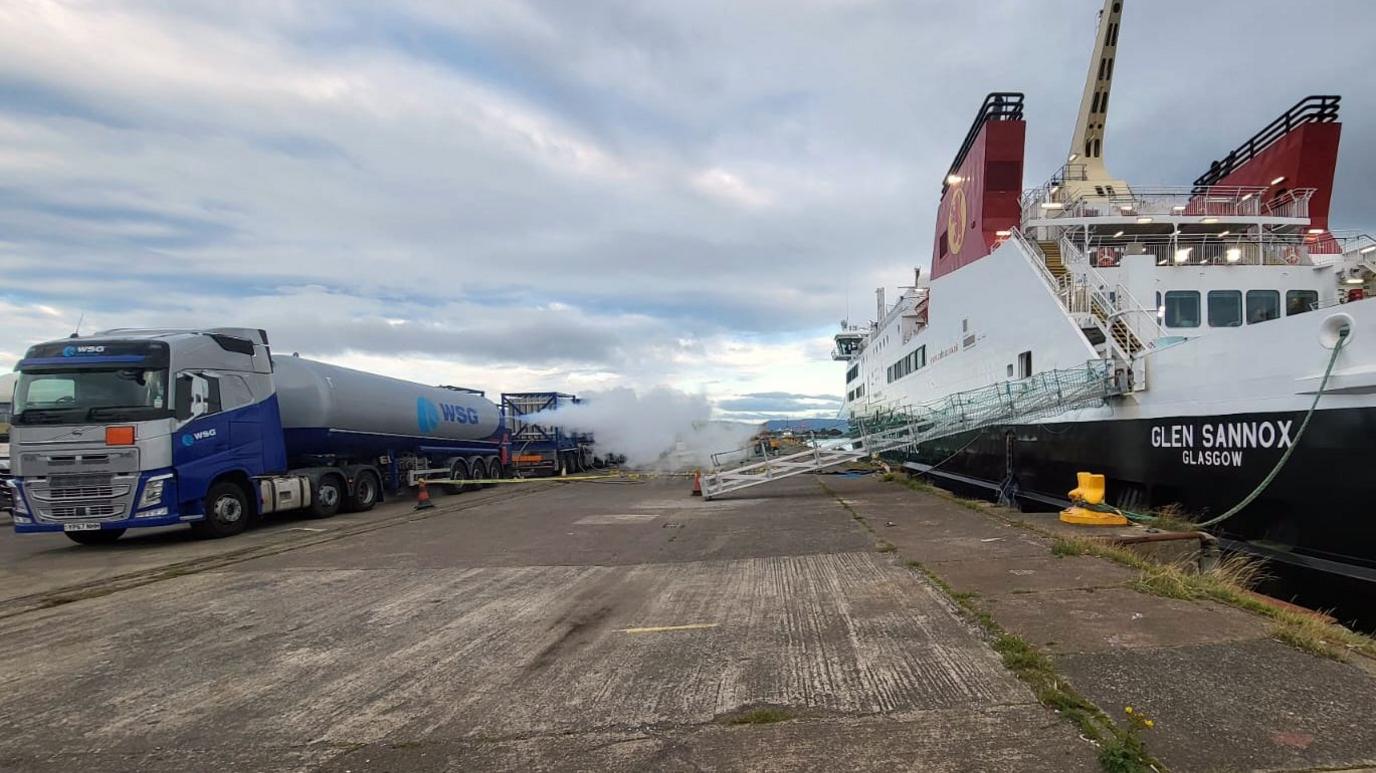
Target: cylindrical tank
[{"x": 316, "y": 396}]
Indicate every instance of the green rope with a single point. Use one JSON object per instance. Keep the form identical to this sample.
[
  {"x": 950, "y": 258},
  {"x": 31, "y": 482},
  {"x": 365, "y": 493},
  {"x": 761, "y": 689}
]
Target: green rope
[{"x": 1285, "y": 457}]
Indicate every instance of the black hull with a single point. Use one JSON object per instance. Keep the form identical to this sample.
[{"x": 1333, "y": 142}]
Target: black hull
[{"x": 1319, "y": 512}]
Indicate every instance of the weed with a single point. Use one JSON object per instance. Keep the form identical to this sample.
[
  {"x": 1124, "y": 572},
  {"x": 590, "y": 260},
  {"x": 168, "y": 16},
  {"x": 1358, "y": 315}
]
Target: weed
[
  {"x": 1124, "y": 754},
  {"x": 1229, "y": 582},
  {"x": 884, "y": 546},
  {"x": 1035, "y": 670}
]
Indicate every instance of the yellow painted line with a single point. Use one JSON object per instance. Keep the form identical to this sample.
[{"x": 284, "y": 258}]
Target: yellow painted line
[{"x": 663, "y": 628}]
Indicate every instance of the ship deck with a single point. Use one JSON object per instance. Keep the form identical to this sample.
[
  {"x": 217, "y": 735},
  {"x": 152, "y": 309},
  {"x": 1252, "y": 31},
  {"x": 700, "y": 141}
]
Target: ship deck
[{"x": 820, "y": 622}]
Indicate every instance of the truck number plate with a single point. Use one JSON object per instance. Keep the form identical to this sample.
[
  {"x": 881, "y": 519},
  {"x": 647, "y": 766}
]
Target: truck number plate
[{"x": 81, "y": 527}]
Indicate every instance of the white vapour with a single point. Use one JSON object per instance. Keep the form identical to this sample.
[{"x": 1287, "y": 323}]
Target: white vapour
[{"x": 662, "y": 428}]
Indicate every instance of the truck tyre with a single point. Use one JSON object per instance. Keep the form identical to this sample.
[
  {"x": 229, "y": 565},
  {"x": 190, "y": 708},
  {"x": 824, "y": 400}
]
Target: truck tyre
[
  {"x": 457, "y": 471},
  {"x": 102, "y": 537},
  {"x": 328, "y": 496},
  {"x": 365, "y": 493},
  {"x": 226, "y": 512},
  {"x": 478, "y": 470}
]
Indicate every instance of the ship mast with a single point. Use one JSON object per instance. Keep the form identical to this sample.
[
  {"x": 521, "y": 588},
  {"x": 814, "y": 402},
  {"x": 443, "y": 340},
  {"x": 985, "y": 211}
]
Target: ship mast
[{"x": 1085, "y": 162}]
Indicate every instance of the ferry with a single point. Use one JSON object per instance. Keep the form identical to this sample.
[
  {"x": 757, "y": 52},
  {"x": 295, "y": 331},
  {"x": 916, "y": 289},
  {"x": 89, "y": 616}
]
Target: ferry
[{"x": 1218, "y": 320}]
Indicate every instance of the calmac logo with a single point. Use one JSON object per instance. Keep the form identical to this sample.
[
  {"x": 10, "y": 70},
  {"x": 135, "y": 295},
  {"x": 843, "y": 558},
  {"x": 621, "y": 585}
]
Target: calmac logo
[
  {"x": 72, "y": 351},
  {"x": 429, "y": 415}
]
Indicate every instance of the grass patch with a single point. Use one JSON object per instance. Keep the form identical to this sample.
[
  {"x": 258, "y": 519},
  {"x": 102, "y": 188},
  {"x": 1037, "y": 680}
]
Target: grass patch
[
  {"x": 762, "y": 716},
  {"x": 1229, "y": 582},
  {"x": 1124, "y": 754},
  {"x": 1119, "y": 750},
  {"x": 884, "y": 546}
]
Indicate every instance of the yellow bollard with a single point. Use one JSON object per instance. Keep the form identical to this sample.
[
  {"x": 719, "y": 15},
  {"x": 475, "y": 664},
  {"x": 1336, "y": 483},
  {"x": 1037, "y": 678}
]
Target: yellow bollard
[{"x": 1091, "y": 491}]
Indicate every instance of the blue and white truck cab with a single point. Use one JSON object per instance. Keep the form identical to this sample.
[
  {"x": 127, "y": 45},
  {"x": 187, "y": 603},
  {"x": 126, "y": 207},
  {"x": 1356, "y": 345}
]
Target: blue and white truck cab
[{"x": 140, "y": 428}]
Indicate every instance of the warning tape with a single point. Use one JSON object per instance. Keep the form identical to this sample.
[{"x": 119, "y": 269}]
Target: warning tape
[{"x": 628, "y": 477}]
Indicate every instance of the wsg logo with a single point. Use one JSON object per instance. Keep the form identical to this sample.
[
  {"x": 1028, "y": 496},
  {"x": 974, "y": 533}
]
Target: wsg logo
[
  {"x": 190, "y": 438},
  {"x": 429, "y": 415},
  {"x": 72, "y": 351}
]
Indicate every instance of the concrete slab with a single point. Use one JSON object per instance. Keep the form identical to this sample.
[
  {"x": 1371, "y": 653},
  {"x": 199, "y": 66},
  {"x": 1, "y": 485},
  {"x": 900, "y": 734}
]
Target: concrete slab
[
  {"x": 602, "y": 524},
  {"x": 1255, "y": 705},
  {"x": 1113, "y": 619},
  {"x": 35, "y": 564},
  {"x": 511, "y": 631},
  {"x": 1003, "y": 738},
  {"x": 1031, "y": 574}
]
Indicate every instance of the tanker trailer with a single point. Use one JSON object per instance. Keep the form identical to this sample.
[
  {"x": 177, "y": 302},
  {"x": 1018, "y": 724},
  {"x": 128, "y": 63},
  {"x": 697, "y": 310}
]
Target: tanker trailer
[{"x": 139, "y": 428}]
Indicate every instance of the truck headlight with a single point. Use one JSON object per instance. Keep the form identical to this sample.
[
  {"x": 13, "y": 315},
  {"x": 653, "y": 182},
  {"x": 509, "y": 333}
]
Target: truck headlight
[
  {"x": 152, "y": 493},
  {"x": 17, "y": 505}
]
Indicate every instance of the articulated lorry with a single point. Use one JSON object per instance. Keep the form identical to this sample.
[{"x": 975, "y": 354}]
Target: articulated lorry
[{"x": 138, "y": 428}]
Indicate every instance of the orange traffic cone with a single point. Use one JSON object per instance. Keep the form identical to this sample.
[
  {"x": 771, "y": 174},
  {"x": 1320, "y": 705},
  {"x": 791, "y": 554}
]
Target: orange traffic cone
[
  {"x": 423, "y": 497},
  {"x": 697, "y": 483}
]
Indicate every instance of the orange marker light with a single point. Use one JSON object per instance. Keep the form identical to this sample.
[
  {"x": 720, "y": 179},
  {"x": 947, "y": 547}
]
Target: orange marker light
[{"x": 119, "y": 436}]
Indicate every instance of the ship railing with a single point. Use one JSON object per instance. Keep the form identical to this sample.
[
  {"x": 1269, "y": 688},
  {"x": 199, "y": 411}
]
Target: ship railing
[
  {"x": 1048, "y": 190},
  {"x": 1215, "y": 204},
  {"x": 1192, "y": 250},
  {"x": 1037, "y": 258}
]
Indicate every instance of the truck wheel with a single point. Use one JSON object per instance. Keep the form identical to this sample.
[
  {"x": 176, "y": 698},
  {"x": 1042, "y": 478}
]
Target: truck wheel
[
  {"x": 102, "y": 537},
  {"x": 328, "y": 496},
  {"x": 226, "y": 512},
  {"x": 478, "y": 469},
  {"x": 365, "y": 493},
  {"x": 457, "y": 471}
]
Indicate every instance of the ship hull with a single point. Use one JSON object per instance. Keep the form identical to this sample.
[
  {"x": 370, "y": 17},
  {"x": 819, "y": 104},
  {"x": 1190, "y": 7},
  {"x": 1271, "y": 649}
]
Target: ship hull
[{"x": 1317, "y": 512}]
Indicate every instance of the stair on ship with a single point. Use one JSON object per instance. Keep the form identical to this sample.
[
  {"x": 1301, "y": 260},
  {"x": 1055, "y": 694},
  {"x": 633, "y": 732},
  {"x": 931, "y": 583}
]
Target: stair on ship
[{"x": 1052, "y": 251}]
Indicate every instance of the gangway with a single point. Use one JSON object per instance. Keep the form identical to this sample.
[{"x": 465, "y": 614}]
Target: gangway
[{"x": 1040, "y": 396}]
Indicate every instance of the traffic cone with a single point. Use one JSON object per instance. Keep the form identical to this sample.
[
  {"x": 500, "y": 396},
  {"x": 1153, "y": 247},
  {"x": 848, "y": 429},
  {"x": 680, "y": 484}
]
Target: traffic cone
[
  {"x": 697, "y": 483},
  {"x": 423, "y": 497}
]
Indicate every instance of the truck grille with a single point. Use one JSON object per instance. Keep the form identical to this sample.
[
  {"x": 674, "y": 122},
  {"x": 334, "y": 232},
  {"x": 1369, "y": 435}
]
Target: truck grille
[
  {"x": 95, "y": 510},
  {"x": 69, "y": 487}
]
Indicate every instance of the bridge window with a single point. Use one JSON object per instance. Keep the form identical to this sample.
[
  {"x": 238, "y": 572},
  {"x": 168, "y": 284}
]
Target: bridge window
[
  {"x": 1262, "y": 305},
  {"x": 1300, "y": 301},
  {"x": 1025, "y": 365},
  {"x": 1225, "y": 308},
  {"x": 1182, "y": 308}
]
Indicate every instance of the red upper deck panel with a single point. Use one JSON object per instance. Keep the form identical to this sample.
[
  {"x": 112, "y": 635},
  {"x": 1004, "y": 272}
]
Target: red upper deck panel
[
  {"x": 1299, "y": 150},
  {"x": 980, "y": 196}
]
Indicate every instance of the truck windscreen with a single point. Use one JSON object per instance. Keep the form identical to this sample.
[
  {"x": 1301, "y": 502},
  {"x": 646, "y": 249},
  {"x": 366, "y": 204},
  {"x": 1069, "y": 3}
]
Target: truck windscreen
[{"x": 73, "y": 396}]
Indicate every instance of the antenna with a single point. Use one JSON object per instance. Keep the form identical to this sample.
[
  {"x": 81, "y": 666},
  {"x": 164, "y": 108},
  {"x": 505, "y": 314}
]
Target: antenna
[{"x": 77, "y": 333}]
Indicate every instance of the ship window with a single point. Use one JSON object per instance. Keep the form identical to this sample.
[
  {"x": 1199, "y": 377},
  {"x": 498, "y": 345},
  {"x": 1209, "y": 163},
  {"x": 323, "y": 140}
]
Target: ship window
[
  {"x": 1262, "y": 305},
  {"x": 1103, "y": 103},
  {"x": 1025, "y": 365},
  {"x": 1103, "y": 65},
  {"x": 1010, "y": 370},
  {"x": 1110, "y": 68},
  {"x": 921, "y": 356},
  {"x": 1300, "y": 301},
  {"x": 1094, "y": 105},
  {"x": 1182, "y": 308},
  {"x": 1225, "y": 308}
]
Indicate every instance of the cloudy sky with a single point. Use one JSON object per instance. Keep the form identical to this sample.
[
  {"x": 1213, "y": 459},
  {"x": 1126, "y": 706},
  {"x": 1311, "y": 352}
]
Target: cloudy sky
[{"x": 530, "y": 194}]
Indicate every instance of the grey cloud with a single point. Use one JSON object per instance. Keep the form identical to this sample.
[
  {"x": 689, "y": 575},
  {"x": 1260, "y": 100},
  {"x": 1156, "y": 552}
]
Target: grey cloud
[{"x": 671, "y": 173}]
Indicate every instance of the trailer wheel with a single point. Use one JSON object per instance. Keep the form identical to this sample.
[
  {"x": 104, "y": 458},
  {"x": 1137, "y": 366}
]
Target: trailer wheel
[
  {"x": 365, "y": 493},
  {"x": 457, "y": 471},
  {"x": 226, "y": 512},
  {"x": 477, "y": 468},
  {"x": 102, "y": 537},
  {"x": 329, "y": 496}
]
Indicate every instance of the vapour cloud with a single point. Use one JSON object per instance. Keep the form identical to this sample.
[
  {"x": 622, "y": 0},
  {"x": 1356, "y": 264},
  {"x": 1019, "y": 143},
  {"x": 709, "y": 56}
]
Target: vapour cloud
[{"x": 661, "y": 428}]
